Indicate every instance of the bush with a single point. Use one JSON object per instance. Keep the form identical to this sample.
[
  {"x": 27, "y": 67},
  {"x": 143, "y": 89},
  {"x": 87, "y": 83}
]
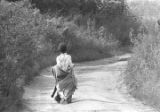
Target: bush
[
  {"x": 86, "y": 46},
  {"x": 18, "y": 46},
  {"x": 142, "y": 75},
  {"x": 114, "y": 15},
  {"x": 22, "y": 41},
  {"x": 143, "y": 71},
  {"x": 66, "y": 7}
]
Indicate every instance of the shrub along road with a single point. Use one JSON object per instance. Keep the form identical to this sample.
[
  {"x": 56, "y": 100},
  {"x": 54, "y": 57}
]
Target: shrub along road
[{"x": 100, "y": 88}]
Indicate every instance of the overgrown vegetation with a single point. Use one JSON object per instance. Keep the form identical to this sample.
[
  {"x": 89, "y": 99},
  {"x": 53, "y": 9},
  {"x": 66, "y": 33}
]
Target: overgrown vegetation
[
  {"x": 143, "y": 73},
  {"x": 20, "y": 30},
  {"x": 29, "y": 36},
  {"x": 112, "y": 15}
]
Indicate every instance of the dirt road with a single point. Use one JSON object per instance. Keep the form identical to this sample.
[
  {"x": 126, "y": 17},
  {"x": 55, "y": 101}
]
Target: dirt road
[{"x": 98, "y": 90}]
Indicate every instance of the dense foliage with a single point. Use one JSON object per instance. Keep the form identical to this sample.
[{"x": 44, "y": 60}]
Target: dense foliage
[
  {"x": 65, "y": 7},
  {"x": 22, "y": 32},
  {"x": 143, "y": 74},
  {"x": 142, "y": 77},
  {"x": 113, "y": 15}
]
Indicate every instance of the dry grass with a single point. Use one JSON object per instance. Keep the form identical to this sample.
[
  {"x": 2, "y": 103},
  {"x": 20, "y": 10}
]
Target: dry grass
[{"x": 143, "y": 73}]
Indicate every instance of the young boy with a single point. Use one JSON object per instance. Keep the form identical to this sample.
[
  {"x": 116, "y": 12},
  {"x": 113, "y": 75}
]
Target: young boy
[
  {"x": 64, "y": 60},
  {"x": 64, "y": 63}
]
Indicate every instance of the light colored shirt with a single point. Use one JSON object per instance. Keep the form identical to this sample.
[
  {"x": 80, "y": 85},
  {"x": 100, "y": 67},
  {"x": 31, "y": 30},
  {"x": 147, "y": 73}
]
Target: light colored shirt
[{"x": 64, "y": 61}]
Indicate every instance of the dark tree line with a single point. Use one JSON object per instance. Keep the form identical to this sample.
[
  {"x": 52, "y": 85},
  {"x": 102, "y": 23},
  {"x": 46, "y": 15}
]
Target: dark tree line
[
  {"x": 114, "y": 15},
  {"x": 66, "y": 7}
]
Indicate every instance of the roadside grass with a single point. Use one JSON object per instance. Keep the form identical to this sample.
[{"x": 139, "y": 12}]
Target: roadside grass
[{"x": 143, "y": 74}]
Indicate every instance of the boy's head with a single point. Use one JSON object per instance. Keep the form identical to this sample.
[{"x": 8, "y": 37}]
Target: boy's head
[{"x": 62, "y": 48}]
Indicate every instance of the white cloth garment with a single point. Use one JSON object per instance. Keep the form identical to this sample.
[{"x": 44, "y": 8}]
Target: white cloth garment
[{"x": 64, "y": 61}]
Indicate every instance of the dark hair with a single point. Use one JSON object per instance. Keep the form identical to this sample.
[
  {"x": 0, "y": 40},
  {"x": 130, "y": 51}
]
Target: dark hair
[{"x": 62, "y": 48}]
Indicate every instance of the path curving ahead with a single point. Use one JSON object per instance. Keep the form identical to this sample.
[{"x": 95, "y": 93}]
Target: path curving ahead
[{"x": 98, "y": 90}]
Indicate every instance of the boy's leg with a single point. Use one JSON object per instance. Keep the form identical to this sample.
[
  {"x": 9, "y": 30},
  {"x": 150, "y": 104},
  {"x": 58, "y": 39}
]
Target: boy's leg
[
  {"x": 54, "y": 91},
  {"x": 69, "y": 100},
  {"x": 57, "y": 98},
  {"x": 56, "y": 95}
]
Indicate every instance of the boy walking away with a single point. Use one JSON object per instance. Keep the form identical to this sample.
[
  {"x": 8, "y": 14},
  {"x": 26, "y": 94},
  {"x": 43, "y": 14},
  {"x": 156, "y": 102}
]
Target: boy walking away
[{"x": 65, "y": 80}]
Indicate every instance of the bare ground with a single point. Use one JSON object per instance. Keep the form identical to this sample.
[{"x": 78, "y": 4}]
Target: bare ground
[{"x": 100, "y": 89}]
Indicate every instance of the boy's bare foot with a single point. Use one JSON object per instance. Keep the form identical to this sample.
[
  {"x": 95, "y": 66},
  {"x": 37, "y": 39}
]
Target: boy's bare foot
[
  {"x": 58, "y": 99},
  {"x": 63, "y": 101}
]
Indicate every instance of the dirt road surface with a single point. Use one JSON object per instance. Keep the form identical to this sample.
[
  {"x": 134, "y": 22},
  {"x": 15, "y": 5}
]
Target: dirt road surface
[{"x": 100, "y": 89}]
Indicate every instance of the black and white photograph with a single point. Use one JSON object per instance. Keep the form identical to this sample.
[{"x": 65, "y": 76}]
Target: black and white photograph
[{"x": 79, "y": 55}]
